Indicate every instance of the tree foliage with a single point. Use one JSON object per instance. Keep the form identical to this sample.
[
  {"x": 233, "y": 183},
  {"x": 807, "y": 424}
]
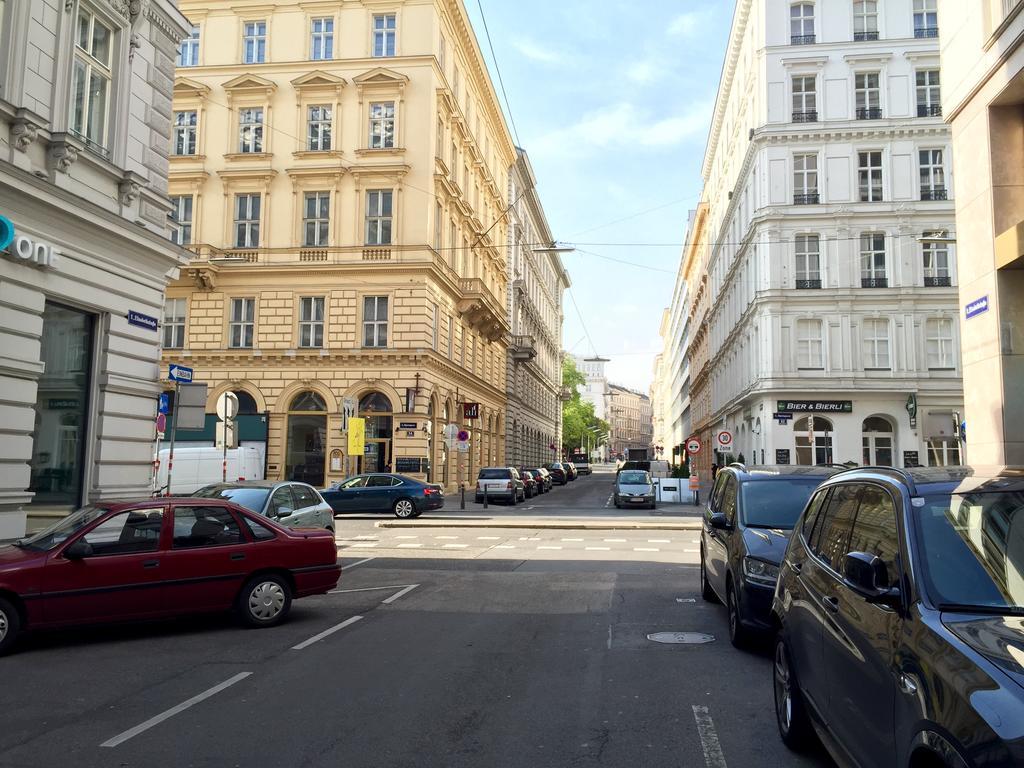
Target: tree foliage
[{"x": 578, "y": 418}]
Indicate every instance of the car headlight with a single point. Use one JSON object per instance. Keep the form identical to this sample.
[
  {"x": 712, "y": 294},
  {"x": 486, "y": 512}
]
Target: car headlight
[{"x": 760, "y": 572}]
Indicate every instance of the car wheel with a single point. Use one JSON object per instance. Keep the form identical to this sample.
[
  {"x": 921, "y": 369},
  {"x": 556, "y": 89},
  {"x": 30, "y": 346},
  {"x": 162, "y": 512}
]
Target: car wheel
[
  {"x": 265, "y": 600},
  {"x": 330, "y": 528},
  {"x": 790, "y": 715},
  {"x": 738, "y": 634},
  {"x": 404, "y": 509},
  {"x": 706, "y": 591},
  {"x": 10, "y": 625},
  {"x": 515, "y": 497}
]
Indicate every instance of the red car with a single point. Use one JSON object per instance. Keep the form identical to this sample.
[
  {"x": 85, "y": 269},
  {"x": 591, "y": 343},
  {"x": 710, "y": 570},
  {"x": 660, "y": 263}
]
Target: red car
[{"x": 157, "y": 558}]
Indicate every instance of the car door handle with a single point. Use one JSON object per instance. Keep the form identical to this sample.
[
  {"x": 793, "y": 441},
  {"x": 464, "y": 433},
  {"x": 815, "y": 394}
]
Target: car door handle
[
  {"x": 238, "y": 556},
  {"x": 831, "y": 604},
  {"x": 797, "y": 568},
  {"x": 907, "y": 684},
  {"x": 151, "y": 564}
]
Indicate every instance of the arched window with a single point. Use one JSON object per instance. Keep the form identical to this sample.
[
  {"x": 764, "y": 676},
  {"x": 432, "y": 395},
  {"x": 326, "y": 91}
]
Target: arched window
[
  {"x": 374, "y": 402},
  {"x": 813, "y": 440},
  {"x": 878, "y": 442},
  {"x": 307, "y": 439},
  {"x": 307, "y": 402},
  {"x": 246, "y": 403}
]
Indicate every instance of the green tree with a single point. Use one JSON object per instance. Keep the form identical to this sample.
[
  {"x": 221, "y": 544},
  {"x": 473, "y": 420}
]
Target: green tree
[{"x": 578, "y": 418}]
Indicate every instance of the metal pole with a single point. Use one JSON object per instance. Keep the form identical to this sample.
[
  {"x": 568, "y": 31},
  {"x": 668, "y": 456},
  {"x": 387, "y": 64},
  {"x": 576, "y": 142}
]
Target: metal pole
[
  {"x": 227, "y": 425},
  {"x": 174, "y": 432}
]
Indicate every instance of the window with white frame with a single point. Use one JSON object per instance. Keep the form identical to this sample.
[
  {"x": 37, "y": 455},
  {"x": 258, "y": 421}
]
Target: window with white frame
[
  {"x": 188, "y": 52},
  {"x": 801, "y": 23},
  {"x": 318, "y": 127},
  {"x": 382, "y": 125},
  {"x": 805, "y": 179},
  {"x": 385, "y": 30},
  {"x": 935, "y": 258},
  {"x": 174, "y": 323},
  {"x": 254, "y": 42},
  {"x": 868, "y": 94},
  {"x": 872, "y": 260},
  {"x": 865, "y": 20},
  {"x": 870, "y": 176},
  {"x": 181, "y": 219},
  {"x": 91, "y": 79},
  {"x": 321, "y": 46},
  {"x": 451, "y": 337},
  {"x": 375, "y": 321},
  {"x": 805, "y": 99},
  {"x": 435, "y": 326},
  {"x": 809, "y": 345},
  {"x": 311, "y": 322},
  {"x": 939, "y": 344},
  {"x": 926, "y": 18},
  {"x": 316, "y": 218},
  {"x": 247, "y": 220},
  {"x": 186, "y": 125},
  {"x": 876, "y": 344},
  {"x": 944, "y": 451},
  {"x": 438, "y": 226},
  {"x": 929, "y": 93},
  {"x": 242, "y": 324},
  {"x": 379, "y": 214},
  {"x": 933, "y": 174},
  {"x": 808, "y": 261},
  {"x": 250, "y": 130}
]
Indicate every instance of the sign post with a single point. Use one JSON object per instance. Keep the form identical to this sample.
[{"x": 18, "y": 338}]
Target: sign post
[
  {"x": 177, "y": 374},
  {"x": 227, "y": 409}
]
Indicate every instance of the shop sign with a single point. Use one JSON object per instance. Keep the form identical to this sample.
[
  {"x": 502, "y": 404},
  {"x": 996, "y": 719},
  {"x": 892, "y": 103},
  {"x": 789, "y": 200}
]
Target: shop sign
[
  {"x": 406, "y": 464},
  {"x": 23, "y": 248},
  {"x": 977, "y": 307},
  {"x": 782, "y": 456},
  {"x": 471, "y": 411},
  {"x": 911, "y": 459},
  {"x": 816, "y": 406},
  {"x": 912, "y": 409},
  {"x": 356, "y": 436},
  {"x": 141, "y": 320},
  {"x": 63, "y": 404}
]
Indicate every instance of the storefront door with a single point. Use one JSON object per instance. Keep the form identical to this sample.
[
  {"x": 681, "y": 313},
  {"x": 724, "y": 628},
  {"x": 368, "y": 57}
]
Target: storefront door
[
  {"x": 376, "y": 457},
  {"x": 878, "y": 441}
]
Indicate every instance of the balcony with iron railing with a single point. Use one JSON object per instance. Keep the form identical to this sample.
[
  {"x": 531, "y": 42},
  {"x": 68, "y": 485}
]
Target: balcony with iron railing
[
  {"x": 936, "y": 281},
  {"x": 874, "y": 282},
  {"x": 523, "y": 348},
  {"x": 810, "y": 116},
  {"x": 807, "y": 198},
  {"x": 802, "y": 39},
  {"x": 934, "y": 193},
  {"x": 809, "y": 284},
  {"x": 860, "y": 37},
  {"x": 922, "y": 33},
  {"x": 869, "y": 113},
  {"x": 929, "y": 110}
]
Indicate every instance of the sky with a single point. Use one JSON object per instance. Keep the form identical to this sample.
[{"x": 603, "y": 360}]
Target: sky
[{"x": 612, "y": 100}]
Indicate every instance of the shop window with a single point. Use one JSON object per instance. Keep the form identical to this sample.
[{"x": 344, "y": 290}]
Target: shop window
[
  {"x": 878, "y": 442},
  {"x": 307, "y": 439},
  {"x": 813, "y": 440}
]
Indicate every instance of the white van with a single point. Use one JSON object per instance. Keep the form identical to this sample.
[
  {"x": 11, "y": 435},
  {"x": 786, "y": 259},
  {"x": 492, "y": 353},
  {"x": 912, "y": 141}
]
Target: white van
[{"x": 195, "y": 468}]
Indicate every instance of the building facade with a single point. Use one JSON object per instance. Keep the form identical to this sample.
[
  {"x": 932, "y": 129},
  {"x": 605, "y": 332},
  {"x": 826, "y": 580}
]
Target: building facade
[
  {"x": 631, "y": 417},
  {"x": 698, "y": 307},
  {"x": 983, "y": 99},
  {"x": 595, "y": 390},
  {"x": 84, "y": 256},
  {"x": 339, "y": 172},
  {"x": 833, "y": 333},
  {"x": 537, "y": 284}
]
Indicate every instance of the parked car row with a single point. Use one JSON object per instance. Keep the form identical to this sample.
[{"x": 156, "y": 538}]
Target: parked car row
[
  {"x": 513, "y": 485},
  {"x": 894, "y": 602}
]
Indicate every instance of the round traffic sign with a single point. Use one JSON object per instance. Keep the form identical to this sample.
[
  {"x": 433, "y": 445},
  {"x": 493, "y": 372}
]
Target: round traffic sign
[
  {"x": 693, "y": 446},
  {"x": 725, "y": 438},
  {"x": 463, "y": 436},
  {"x": 161, "y": 422},
  {"x": 227, "y": 406}
]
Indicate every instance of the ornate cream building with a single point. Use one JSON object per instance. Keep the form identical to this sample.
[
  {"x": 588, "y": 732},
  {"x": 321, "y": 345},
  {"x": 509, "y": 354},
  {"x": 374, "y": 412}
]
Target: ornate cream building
[
  {"x": 340, "y": 171},
  {"x": 631, "y": 417}
]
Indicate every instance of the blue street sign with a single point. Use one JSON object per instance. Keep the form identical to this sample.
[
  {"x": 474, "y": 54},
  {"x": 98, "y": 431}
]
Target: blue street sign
[
  {"x": 180, "y": 373},
  {"x": 141, "y": 320},
  {"x": 165, "y": 403},
  {"x": 963, "y": 431},
  {"x": 782, "y": 416},
  {"x": 976, "y": 308}
]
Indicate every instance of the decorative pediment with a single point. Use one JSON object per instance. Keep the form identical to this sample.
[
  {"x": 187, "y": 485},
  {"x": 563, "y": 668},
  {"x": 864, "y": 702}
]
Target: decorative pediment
[
  {"x": 249, "y": 84},
  {"x": 319, "y": 80},
  {"x": 381, "y": 76},
  {"x": 185, "y": 87}
]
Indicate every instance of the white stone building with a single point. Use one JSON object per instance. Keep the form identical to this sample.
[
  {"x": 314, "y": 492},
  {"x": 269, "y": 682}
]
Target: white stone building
[
  {"x": 596, "y": 388},
  {"x": 828, "y": 160},
  {"x": 537, "y": 284},
  {"x": 85, "y": 113}
]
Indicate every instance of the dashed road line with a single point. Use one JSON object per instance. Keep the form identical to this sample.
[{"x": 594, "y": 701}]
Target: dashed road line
[
  {"x": 690, "y": 550},
  {"x": 366, "y": 589},
  {"x": 326, "y": 633},
  {"x": 659, "y": 541},
  {"x": 549, "y": 548},
  {"x": 397, "y": 595},
  {"x": 353, "y": 565},
  {"x": 713, "y": 755},
  {"x": 455, "y": 546},
  {"x": 364, "y": 545},
  {"x": 409, "y": 546},
  {"x": 488, "y": 538},
  {"x": 572, "y": 539},
  {"x": 452, "y": 538},
  {"x": 406, "y": 537},
  {"x": 598, "y": 549},
  {"x": 615, "y": 541},
  {"x": 646, "y": 549}
]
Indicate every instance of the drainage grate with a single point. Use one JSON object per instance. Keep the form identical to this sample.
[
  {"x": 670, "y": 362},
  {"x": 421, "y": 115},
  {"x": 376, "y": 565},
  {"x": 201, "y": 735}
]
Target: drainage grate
[{"x": 681, "y": 638}]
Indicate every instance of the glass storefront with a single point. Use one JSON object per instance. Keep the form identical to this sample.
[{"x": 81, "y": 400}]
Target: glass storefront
[
  {"x": 307, "y": 438},
  {"x": 62, "y": 408}
]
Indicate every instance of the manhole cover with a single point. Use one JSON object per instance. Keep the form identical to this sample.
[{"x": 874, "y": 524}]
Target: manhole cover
[{"x": 681, "y": 638}]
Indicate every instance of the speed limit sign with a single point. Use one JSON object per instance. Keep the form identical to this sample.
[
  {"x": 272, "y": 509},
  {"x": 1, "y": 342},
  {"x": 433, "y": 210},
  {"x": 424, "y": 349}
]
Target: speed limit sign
[
  {"x": 693, "y": 446},
  {"x": 725, "y": 439}
]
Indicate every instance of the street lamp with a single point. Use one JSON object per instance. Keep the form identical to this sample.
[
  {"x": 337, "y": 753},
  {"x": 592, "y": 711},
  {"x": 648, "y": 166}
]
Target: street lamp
[
  {"x": 554, "y": 248},
  {"x": 941, "y": 237}
]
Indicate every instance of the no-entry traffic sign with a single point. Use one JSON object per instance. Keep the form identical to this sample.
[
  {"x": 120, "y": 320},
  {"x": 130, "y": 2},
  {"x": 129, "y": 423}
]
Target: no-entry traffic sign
[{"x": 693, "y": 446}]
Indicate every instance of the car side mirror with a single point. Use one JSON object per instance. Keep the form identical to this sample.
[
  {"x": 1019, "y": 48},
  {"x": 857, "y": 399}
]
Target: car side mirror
[
  {"x": 720, "y": 522},
  {"x": 78, "y": 550},
  {"x": 867, "y": 575},
  {"x": 283, "y": 511}
]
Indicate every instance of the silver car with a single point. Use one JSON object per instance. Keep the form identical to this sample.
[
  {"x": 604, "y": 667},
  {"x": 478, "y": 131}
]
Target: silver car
[
  {"x": 295, "y": 505},
  {"x": 634, "y": 488}
]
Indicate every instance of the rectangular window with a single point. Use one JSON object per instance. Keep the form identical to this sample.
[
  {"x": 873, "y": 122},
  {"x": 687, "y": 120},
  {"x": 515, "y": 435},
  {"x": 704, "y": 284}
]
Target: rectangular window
[
  {"x": 188, "y": 53},
  {"x": 375, "y": 321},
  {"x": 185, "y": 132},
  {"x": 805, "y": 99},
  {"x": 865, "y": 20},
  {"x": 181, "y": 219},
  {"x": 174, "y": 324},
  {"x": 378, "y": 216},
  {"x": 439, "y": 143},
  {"x": 872, "y": 260},
  {"x": 442, "y": 55},
  {"x": 943, "y": 452},
  {"x": 382, "y": 125},
  {"x": 801, "y": 24},
  {"x": 254, "y": 42},
  {"x": 321, "y": 45},
  {"x": 939, "y": 344},
  {"x": 318, "y": 128},
  {"x": 805, "y": 180},
  {"x": 247, "y": 221},
  {"x": 870, "y": 176},
  {"x": 316, "y": 218},
  {"x": 935, "y": 257},
  {"x": 933, "y": 174},
  {"x": 869, "y": 96},
  {"x": 250, "y": 130},
  {"x": 926, "y": 18},
  {"x": 91, "y": 79},
  {"x": 438, "y": 227},
  {"x": 385, "y": 29},
  {"x": 808, "y": 261},
  {"x": 243, "y": 323},
  {"x": 311, "y": 322},
  {"x": 809, "y": 345},
  {"x": 455, "y": 160},
  {"x": 929, "y": 93},
  {"x": 876, "y": 344},
  {"x": 451, "y": 337},
  {"x": 435, "y": 327}
]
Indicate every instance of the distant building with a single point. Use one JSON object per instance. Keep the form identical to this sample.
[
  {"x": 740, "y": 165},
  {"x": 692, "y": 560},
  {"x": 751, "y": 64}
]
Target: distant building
[
  {"x": 596, "y": 389},
  {"x": 632, "y": 420}
]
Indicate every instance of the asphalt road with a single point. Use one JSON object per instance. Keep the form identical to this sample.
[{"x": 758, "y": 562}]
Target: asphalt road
[{"x": 524, "y": 648}]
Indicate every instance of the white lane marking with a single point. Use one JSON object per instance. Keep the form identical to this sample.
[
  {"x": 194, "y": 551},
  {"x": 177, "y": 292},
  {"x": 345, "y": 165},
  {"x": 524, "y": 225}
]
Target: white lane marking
[
  {"x": 397, "y": 595},
  {"x": 142, "y": 727},
  {"x": 364, "y": 545},
  {"x": 659, "y": 541},
  {"x": 598, "y": 549},
  {"x": 572, "y": 539},
  {"x": 326, "y": 633},
  {"x": 454, "y": 546},
  {"x": 713, "y": 756},
  {"x": 689, "y": 550},
  {"x": 686, "y": 600},
  {"x": 366, "y": 589},
  {"x": 406, "y": 537},
  {"x": 548, "y": 547},
  {"x": 451, "y": 538},
  {"x": 615, "y": 541},
  {"x": 488, "y": 538},
  {"x": 695, "y": 541},
  {"x": 646, "y": 549},
  {"x": 358, "y": 562},
  {"x": 409, "y": 546},
  {"x": 367, "y": 537}
]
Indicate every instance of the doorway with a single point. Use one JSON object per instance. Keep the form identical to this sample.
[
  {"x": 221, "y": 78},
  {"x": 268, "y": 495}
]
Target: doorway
[
  {"x": 878, "y": 441},
  {"x": 307, "y": 438},
  {"x": 375, "y": 407}
]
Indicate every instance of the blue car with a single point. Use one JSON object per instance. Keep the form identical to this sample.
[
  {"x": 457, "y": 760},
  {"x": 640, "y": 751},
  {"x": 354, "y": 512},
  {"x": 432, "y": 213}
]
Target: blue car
[{"x": 402, "y": 496}]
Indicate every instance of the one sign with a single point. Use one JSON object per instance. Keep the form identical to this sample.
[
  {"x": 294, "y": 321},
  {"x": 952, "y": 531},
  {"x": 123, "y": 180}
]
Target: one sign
[
  {"x": 227, "y": 406},
  {"x": 471, "y": 411},
  {"x": 724, "y": 439},
  {"x": 161, "y": 422},
  {"x": 978, "y": 307},
  {"x": 349, "y": 404},
  {"x": 22, "y": 248},
  {"x": 782, "y": 416},
  {"x": 693, "y": 446},
  {"x": 463, "y": 436},
  {"x": 408, "y": 425},
  {"x": 694, "y": 482},
  {"x": 141, "y": 320},
  {"x": 782, "y": 456},
  {"x": 191, "y": 406},
  {"x": 164, "y": 404},
  {"x": 911, "y": 459},
  {"x": 462, "y": 447},
  {"x": 180, "y": 373},
  {"x": 63, "y": 403},
  {"x": 356, "y": 436},
  {"x": 816, "y": 406},
  {"x": 912, "y": 408},
  {"x": 406, "y": 464}
]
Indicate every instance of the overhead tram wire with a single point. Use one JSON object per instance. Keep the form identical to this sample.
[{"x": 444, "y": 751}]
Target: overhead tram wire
[
  {"x": 497, "y": 69},
  {"x": 583, "y": 323}
]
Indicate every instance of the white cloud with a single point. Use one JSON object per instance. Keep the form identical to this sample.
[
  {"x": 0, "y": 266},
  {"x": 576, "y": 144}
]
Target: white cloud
[
  {"x": 642, "y": 72},
  {"x": 687, "y": 24},
  {"x": 536, "y": 52}
]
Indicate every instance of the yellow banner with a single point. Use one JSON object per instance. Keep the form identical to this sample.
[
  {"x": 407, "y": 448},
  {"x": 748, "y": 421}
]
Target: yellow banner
[{"x": 356, "y": 436}]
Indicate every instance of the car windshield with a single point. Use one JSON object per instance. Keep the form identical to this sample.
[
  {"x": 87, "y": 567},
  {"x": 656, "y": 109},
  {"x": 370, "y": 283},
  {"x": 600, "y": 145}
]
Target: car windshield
[
  {"x": 494, "y": 474},
  {"x": 252, "y": 499},
  {"x": 972, "y": 548},
  {"x": 633, "y": 477},
  {"x": 60, "y": 531},
  {"x": 556, "y": 466},
  {"x": 775, "y": 503}
]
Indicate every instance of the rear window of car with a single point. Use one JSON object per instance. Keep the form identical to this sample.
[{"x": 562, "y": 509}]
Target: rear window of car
[
  {"x": 555, "y": 466},
  {"x": 494, "y": 474},
  {"x": 775, "y": 503},
  {"x": 634, "y": 477}
]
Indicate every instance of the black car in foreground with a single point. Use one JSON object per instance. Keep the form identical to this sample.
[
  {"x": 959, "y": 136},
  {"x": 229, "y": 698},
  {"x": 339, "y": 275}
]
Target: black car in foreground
[
  {"x": 900, "y": 620},
  {"x": 747, "y": 523}
]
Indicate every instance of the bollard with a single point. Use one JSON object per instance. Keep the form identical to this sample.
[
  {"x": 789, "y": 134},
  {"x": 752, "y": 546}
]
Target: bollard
[
  {"x": 485, "y": 495},
  {"x": 462, "y": 503},
  {"x": 696, "y": 498}
]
